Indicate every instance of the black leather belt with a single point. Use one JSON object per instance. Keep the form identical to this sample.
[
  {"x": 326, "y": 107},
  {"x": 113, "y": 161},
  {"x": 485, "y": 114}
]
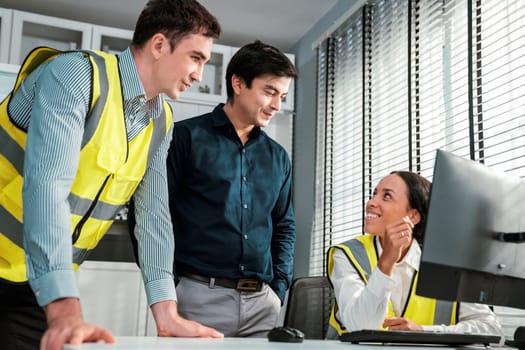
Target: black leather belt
[{"x": 243, "y": 285}]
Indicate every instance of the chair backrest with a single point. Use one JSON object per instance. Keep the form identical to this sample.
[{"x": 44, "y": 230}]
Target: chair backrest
[{"x": 308, "y": 307}]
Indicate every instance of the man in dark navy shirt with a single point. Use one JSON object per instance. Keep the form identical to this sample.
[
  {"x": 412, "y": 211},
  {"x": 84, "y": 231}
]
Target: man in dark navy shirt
[{"x": 230, "y": 189}]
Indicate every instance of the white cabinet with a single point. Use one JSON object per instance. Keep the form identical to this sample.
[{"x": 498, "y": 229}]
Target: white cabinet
[
  {"x": 108, "y": 39},
  {"x": 21, "y": 32},
  {"x": 112, "y": 296},
  {"x": 30, "y": 30},
  {"x": 183, "y": 109},
  {"x": 212, "y": 87},
  {"x": 5, "y": 34},
  {"x": 8, "y": 73}
]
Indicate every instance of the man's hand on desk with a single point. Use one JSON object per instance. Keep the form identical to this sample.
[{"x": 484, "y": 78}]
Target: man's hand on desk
[
  {"x": 65, "y": 325},
  {"x": 170, "y": 324}
]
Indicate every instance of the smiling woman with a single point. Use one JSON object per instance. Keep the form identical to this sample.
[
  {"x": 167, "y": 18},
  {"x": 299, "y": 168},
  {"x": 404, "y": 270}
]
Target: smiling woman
[{"x": 378, "y": 270}]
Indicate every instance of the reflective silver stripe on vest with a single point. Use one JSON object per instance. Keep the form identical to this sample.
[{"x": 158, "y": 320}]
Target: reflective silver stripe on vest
[
  {"x": 158, "y": 135},
  {"x": 358, "y": 250},
  {"x": 443, "y": 312},
  {"x": 13, "y": 230},
  {"x": 11, "y": 227},
  {"x": 80, "y": 254},
  {"x": 80, "y": 206},
  {"x": 12, "y": 151},
  {"x": 92, "y": 120},
  {"x": 102, "y": 211}
]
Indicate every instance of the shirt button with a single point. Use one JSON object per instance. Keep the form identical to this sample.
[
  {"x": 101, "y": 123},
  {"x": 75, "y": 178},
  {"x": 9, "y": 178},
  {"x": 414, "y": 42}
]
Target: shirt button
[
  {"x": 242, "y": 267},
  {"x": 245, "y": 236},
  {"x": 245, "y": 206},
  {"x": 244, "y": 178},
  {"x": 244, "y": 150}
]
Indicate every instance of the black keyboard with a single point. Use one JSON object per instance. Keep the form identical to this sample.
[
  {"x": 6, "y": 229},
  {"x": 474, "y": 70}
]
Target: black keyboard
[{"x": 417, "y": 337}]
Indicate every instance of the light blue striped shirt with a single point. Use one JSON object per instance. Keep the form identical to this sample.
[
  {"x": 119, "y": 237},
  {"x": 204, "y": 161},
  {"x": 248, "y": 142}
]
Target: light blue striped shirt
[{"x": 52, "y": 104}]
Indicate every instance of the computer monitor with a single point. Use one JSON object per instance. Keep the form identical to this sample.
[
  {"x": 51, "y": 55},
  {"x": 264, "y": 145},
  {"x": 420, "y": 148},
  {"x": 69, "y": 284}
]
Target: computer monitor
[{"x": 474, "y": 248}]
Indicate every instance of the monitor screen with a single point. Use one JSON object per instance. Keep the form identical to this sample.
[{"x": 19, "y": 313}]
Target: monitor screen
[{"x": 473, "y": 248}]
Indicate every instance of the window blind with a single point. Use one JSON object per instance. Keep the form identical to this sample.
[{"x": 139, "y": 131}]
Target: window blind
[
  {"x": 443, "y": 80},
  {"x": 318, "y": 240},
  {"x": 402, "y": 78},
  {"x": 388, "y": 134},
  {"x": 339, "y": 140},
  {"x": 499, "y": 89}
]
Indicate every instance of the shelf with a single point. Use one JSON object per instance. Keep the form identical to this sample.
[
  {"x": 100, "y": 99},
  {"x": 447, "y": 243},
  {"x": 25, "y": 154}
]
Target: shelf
[
  {"x": 30, "y": 30},
  {"x": 111, "y": 40}
]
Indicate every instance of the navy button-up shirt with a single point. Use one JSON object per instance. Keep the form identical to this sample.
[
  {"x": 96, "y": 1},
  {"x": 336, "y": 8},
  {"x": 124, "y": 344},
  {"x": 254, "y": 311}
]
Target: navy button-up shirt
[{"x": 231, "y": 205}]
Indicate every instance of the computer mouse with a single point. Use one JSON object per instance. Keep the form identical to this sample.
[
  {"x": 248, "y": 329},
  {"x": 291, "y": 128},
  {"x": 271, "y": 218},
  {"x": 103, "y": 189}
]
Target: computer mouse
[{"x": 285, "y": 334}]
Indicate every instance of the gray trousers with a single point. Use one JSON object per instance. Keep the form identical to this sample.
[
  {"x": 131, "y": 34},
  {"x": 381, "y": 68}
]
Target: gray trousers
[{"x": 231, "y": 312}]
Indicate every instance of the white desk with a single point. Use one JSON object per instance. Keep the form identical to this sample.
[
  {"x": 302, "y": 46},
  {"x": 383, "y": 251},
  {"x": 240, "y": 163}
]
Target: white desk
[
  {"x": 156, "y": 343},
  {"x": 146, "y": 343}
]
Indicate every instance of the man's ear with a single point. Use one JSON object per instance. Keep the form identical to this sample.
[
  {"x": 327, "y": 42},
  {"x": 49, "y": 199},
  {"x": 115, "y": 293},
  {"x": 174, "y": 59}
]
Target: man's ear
[
  {"x": 157, "y": 44},
  {"x": 237, "y": 84},
  {"x": 414, "y": 216}
]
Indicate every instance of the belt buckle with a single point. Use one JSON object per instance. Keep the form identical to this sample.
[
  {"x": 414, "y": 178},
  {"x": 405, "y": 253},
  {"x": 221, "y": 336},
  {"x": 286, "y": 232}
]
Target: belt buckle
[{"x": 247, "y": 285}]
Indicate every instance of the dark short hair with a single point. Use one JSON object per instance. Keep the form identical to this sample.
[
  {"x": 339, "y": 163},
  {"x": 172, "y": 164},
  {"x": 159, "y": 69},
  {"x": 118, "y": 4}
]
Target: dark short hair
[
  {"x": 418, "y": 198},
  {"x": 175, "y": 19},
  {"x": 257, "y": 59}
]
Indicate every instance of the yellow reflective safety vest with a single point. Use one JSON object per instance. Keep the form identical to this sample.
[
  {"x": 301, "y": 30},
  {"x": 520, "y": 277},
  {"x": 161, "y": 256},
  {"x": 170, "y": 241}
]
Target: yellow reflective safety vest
[
  {"x": 109, "y": 170},
  {"x": 363, "y": 255}
]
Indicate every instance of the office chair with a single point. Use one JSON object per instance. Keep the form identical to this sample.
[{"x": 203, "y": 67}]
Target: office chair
[{"x": 308, "y": 308}]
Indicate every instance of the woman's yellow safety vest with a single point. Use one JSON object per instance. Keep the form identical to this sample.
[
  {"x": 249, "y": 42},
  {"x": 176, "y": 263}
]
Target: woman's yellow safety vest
[
  {"x": 109, "y": 170},
  {"x": 363, "y": 255}
]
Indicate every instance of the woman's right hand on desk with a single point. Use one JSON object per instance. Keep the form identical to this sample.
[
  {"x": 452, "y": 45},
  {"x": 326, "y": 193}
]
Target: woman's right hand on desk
[
  {"x": 401, "y": 323},
  {"x": 171, "y": 324}
]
